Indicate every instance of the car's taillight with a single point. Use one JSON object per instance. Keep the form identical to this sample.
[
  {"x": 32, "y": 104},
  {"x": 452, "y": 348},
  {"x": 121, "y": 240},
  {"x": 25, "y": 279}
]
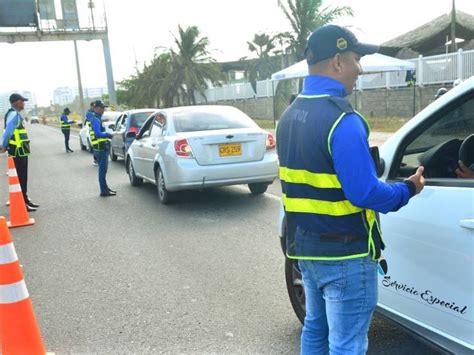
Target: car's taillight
[
  {"x": 182, "y": 148},
  {"x": 271, "y": 144}
]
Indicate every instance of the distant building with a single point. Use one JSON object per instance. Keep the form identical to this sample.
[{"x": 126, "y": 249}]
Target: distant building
[
  {"x": 66, "y": 95},
  {"x": 5, "y": 103}
]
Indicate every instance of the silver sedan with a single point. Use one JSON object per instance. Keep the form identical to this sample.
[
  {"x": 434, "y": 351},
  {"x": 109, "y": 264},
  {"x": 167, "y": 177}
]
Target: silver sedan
[{"x": 197, "y": 147}]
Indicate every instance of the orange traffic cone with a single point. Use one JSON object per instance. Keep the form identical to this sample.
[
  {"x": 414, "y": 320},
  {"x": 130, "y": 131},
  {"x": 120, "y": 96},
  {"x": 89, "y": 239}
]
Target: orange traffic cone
[
  {"x": 18, "y": 214},
  {"x": 19, "y": 332}
]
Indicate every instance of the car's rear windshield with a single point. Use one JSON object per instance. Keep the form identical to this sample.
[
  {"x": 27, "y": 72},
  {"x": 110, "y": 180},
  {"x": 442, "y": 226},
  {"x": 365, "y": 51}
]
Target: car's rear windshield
[
  {"x": 137, "y": 119},
  {"x": 204, "y": 120}
]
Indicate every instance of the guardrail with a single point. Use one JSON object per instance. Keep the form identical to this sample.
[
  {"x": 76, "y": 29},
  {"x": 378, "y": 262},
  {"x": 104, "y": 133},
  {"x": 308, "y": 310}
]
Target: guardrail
[{"x": 438, "y": 69}]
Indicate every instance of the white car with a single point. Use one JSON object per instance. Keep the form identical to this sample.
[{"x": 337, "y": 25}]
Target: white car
[
  {"x": 108, "y": 119},
  {"x": 201, "y": 146},
  {"x": 429, "y": 287}
]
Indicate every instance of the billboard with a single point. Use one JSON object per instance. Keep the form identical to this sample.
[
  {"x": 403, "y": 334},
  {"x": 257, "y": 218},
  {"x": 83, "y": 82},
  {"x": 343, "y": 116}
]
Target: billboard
[
  {"x": 18, "y": 13},
  {"x": 70, "y": 18},
  {"x": 47, "y": 10}
]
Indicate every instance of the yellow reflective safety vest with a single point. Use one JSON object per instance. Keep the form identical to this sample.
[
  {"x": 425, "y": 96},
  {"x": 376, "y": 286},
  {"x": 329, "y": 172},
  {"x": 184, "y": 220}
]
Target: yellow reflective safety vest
[
  {"x": 64, "y": 125},
  {"x": 98, "y": 144},
  {"x": 19, "y": 143},
  {"x": 322, "y": 224}
]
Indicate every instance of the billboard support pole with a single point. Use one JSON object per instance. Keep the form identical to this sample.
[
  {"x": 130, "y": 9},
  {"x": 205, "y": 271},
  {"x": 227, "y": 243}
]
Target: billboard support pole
[
  {"x": 79, "y": 81},
  {"x": 108, "y": 69}
]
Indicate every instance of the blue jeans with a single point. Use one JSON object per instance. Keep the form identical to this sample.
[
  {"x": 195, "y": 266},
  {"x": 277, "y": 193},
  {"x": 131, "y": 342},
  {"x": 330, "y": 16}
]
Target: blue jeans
[
  {"x": 66, "y": 133},
  {"x": 340, "y": 300},
  {"x": 103, "y": 161}
]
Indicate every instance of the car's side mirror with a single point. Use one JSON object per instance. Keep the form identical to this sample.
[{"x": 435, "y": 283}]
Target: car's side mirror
[
  {"x": 131, "y": 134},
  {"x": 112, "y": 127},
  {"x": 379, "y": 163}
]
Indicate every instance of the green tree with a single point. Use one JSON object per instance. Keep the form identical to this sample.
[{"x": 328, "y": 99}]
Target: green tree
[
  {"x": 305, "y": 16},
  {"x": 192, "y": 65}
]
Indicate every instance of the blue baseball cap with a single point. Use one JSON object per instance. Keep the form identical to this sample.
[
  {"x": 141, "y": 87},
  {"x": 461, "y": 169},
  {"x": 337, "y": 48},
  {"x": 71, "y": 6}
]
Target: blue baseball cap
[
  {"x": 16, "y": 97},
  {"x": 327, "y": 41},
  {"x": 99, "y": 103}
]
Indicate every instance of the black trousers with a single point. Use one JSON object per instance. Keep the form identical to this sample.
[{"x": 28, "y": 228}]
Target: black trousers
[
  {"x": 66, "y": 133},
  {"x": 21, "y": 165}
]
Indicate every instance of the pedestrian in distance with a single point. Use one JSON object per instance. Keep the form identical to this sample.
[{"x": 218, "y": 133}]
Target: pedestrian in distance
[
  {"x": 15, "y": 141},
  {"x": 66, "y": 128},
  {"x": 87, "y": 122},
  {"x": 100, "y": 140},
  {"x": 331, "y": 195}
]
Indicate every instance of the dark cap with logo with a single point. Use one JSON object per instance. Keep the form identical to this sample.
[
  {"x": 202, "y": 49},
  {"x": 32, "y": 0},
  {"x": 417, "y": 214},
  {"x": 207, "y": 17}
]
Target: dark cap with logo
[
  {"x": 99, "y": 103},
  {"x": 66, "y": 110},
  {"x": 329, "y": 40},
  {"x": 16, "y": 97}
]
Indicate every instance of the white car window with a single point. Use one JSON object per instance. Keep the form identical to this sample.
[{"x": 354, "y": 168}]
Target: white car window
[
  {"x": 159, "y": 123},
  {"x": 437, "y": 147}
]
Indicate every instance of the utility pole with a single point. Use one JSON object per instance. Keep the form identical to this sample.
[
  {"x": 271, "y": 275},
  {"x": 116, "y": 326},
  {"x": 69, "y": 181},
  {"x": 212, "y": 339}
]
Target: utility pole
[
  {"x": 453, "y": 28},
  {"x": 91, "y": 6}
]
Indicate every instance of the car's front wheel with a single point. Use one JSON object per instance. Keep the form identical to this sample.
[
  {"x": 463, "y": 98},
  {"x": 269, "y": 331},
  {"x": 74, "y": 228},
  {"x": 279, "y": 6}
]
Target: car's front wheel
[
  {"x": 134, "y": 180},
  {"x": 294, "y": 285},
  {"x": 258, "y": 188},
  {"x": 164, "y": 195}
]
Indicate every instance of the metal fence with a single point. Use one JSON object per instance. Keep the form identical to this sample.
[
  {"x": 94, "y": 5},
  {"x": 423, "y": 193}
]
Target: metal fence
[{"x": 438, "y": 69}]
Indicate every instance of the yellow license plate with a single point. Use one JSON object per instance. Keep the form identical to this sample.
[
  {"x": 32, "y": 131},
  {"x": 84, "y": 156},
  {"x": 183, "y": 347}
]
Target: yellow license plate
[{"x": 228, "y": 150}]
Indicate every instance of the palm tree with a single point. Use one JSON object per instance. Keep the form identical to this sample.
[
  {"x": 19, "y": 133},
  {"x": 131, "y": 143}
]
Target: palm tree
[
  {"x": 193, "y": 66},
  {"x": 262, "y": 67},
  {"x": 305, "y": 16}
]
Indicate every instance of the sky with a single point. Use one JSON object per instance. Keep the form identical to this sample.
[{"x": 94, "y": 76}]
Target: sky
[{"x": 140, "y": 28}]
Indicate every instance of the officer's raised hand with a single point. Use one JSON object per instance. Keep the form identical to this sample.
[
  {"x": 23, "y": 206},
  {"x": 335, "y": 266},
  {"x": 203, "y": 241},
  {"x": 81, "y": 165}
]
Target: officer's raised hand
[{"x": 418, "y": 179}]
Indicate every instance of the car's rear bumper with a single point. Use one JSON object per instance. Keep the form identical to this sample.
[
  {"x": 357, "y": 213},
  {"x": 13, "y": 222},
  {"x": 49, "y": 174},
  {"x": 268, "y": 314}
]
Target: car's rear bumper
[{"x": 181, "y": 174}]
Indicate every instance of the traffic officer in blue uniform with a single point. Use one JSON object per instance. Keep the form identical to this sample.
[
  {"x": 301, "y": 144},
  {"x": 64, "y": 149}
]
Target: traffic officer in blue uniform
[
  {"x": 15, "y": 140},
  {"x": 331, "y": 195},
  {"x": 66, "y": 128},
  {"x": 87, "y": 122},
  {"x": 100, "y": 140}
]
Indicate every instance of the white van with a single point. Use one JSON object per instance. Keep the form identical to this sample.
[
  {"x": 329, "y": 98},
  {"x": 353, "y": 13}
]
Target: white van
[{"x": 429, "y": 287}]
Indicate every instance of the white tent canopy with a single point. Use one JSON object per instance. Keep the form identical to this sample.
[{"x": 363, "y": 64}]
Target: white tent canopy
[{"x": 374, "y": 63}]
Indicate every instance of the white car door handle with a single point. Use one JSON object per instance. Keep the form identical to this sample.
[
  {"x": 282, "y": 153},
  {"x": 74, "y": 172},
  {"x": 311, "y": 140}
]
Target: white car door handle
[
  {"x": 153, "y": 144},
  {"x": 467, "y": 223}
]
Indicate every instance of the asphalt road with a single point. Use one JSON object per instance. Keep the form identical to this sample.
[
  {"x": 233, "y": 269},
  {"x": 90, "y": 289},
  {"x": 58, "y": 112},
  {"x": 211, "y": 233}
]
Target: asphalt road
[{"x": 126, "y": 275}]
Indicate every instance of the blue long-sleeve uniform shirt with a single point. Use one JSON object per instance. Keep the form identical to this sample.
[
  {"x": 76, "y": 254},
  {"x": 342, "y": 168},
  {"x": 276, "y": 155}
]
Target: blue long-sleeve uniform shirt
[
  {"x": 65, "y": 119},
  {"x": 12, "y": 119},
  {"x": 89, "y": 115},
  {"x": 351, "y": 156},
  {"x": 96, "y": 124}
]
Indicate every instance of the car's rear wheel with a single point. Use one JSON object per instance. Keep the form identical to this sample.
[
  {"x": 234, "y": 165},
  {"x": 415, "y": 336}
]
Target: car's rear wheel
[
  {"x": 164, "y": 195},
  {"x": 294, "y": 285},
  {"x": 258, "y": 188},
  {"x": 134, "y": 180},
  {"x": 83, "y": 147},
  {"x": 113, "y": 157}
]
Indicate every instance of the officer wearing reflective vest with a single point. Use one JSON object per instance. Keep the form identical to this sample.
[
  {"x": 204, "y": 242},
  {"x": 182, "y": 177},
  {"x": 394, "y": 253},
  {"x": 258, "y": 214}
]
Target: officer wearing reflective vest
[
  {"x": 331, "y": 195},
  {"x": 87, "y": 122},
  {"x": 100, "y": 140},
  {"x": 66, "y": 128},
  {"x": 15, "y": 140}
]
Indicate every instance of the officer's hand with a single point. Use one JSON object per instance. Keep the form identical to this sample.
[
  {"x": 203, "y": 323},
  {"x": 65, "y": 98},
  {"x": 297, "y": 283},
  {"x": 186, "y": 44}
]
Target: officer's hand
[
  {"x": 464, "y": 172},
  {"x": 418, "y": 179}
]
